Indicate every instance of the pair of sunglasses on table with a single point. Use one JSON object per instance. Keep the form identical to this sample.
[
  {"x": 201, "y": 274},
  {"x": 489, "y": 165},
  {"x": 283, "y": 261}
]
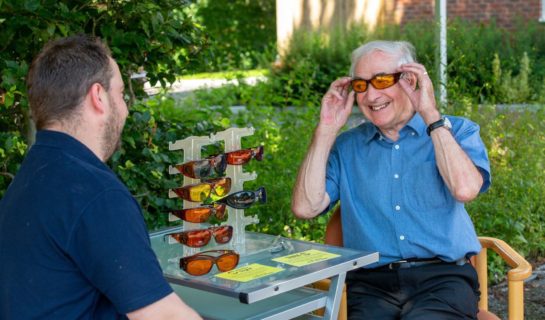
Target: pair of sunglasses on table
[
  {"x": 200, "y": 237},
  {"x": 379, "y": 81},
  {"x": 201, "y": 263},
  {"x": 238, "y": 200},
  {"x": 218, "y": 163}
]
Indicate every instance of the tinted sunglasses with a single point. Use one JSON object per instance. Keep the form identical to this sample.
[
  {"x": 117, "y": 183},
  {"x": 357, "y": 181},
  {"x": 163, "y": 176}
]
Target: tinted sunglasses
[
  {"x": 244, "y": 155},
  {"x": 201, "y": 214},
  {"x": 201, "y": 191},
  {"x": 379, "y": 81},
  {"x": 201, "y": 263},
  {"x": 201, "y": 237},
  {"x": 204, "y": 168},
  {"x": 244, "y": 199}
]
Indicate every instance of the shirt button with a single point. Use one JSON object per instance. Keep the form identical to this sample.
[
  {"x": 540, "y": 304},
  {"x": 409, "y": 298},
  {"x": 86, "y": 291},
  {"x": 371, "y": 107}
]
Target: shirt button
[
  {"x": 401, "y": 237},
  {"x": 396, "y": 176},
  {"x": 398, "y": 208},
  {"x": 396, "y": 146},
  {"x": 412, "y": 133}
]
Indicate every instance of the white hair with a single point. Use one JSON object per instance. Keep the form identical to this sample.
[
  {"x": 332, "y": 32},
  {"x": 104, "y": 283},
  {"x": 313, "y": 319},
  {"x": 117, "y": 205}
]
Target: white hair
[{"x": 403, "y": 49}]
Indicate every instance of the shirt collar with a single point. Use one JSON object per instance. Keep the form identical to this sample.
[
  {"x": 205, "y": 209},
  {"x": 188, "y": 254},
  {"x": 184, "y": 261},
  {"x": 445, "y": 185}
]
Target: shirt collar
[
  {"x": 69, "y": 144},
  {"x": 416, "y": 124}
]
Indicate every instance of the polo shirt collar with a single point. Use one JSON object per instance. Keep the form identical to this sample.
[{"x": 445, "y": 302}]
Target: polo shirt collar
[{"x": 67, "y": 143}]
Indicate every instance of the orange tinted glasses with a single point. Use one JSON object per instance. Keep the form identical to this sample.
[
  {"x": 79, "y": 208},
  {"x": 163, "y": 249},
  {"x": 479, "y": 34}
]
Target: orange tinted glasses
[
  {"x": 379, "y": 81},
  {"x": 201, "y": 214},
  {"x": 201, "y": 263},
  {"x": 203, "y": 168},
  {"x": 244, "y": 155},
  {"x": 201, "y": 237},
  {"x": 201, "y": 191}
]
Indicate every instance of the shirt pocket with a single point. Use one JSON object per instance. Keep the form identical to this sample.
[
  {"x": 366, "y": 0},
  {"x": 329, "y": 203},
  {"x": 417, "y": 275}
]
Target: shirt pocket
[{"x": 424, "y": 188}]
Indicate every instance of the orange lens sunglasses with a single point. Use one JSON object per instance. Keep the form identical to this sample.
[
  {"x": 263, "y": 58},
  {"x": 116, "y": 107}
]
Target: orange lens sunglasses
[
  {"x": 203, "y": 168},
  {"x": 244, "y": 155},
  {"x": 379, "y": 81},
  {"x": 201, "y": 237},
  {"x": 201, "y": 191},
  {"x": 201, "y": 214},
  {"x": 201, "y": 263}
]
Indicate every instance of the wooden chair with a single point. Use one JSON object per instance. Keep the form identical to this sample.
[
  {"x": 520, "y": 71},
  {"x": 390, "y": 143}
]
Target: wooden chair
[{"x": 520, "y": 270}]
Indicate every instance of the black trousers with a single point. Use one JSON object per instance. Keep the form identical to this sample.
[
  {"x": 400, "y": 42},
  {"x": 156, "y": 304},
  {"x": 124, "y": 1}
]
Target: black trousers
[{"x": 434, "y": 291}]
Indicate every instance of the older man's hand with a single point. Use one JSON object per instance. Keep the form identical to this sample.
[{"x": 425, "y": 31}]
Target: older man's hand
[
  {"x": 423, "y": 97},
  {"x": 337, "y": 105}
]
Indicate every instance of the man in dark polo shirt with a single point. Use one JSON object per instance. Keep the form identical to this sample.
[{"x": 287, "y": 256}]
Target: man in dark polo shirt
[{"x": 73, "y": 242}]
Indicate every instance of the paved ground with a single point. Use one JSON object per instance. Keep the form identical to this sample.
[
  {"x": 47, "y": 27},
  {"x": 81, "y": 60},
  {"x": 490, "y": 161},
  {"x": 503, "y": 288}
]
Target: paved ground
[
  {"x": 187, "y": 85},
  {"x": 534, "y": 296}
]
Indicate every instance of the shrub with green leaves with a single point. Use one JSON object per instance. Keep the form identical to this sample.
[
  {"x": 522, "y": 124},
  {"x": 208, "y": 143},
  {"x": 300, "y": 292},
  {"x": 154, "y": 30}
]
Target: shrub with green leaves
[{"x": 154, "y": 35}]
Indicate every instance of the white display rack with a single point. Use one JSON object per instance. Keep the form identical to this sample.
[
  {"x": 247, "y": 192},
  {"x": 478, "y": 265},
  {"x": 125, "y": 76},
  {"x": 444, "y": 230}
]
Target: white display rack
[{"x": 191, "y": 148}]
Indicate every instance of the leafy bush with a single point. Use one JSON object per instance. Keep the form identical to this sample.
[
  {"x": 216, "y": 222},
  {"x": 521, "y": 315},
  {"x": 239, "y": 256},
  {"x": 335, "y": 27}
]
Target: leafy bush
[
  {"x": 242, "y": 33},
  {"x": 143, "y": 160},
  {"x": 154, "y": 35}
]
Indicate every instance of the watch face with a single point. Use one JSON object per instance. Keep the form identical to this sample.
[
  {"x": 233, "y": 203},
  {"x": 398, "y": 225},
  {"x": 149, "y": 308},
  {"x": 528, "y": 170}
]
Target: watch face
[{"x": 447, "y": 123}]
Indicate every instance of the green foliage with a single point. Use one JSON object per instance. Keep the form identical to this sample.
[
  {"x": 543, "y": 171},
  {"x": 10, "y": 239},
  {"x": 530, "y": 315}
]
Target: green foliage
[
  {"x": 509, "y": 88},
  {"x": 143, "y": 160},
  {"x": 242, "y": 33},
  {"x": 149, "y": 34}
]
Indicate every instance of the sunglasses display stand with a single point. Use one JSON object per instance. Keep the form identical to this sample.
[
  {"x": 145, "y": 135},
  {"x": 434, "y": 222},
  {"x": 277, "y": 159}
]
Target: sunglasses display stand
[{"x": 191, "y": 148}]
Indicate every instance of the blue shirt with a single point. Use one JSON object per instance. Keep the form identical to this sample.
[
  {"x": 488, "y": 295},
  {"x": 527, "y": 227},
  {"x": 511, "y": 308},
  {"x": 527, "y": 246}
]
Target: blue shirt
[
  {"x": 73, "y": 242},
  {"x": 393, "y": 198}
]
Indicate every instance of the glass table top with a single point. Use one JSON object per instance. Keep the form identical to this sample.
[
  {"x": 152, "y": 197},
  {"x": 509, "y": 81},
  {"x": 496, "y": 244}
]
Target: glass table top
[{"x": 261, "y": 249}]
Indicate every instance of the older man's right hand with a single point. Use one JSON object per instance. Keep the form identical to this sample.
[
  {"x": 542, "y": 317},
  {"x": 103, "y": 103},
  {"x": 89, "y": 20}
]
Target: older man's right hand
[{"x": 337, "y": 105}]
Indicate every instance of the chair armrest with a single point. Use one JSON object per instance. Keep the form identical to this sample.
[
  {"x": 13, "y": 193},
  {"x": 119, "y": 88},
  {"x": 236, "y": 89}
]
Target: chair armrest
[{"x": 521, "y": 269}]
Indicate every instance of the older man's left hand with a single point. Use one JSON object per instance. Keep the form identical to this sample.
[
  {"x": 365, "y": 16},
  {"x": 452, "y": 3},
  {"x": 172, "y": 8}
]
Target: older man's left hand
[{"x": 422, "y": 96}]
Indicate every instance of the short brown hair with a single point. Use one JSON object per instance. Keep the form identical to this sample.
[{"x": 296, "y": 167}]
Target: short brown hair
[{"x": 61, "y": 75}]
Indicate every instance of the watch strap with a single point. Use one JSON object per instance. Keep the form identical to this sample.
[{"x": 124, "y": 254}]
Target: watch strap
[{"x": 434, "y": 125}]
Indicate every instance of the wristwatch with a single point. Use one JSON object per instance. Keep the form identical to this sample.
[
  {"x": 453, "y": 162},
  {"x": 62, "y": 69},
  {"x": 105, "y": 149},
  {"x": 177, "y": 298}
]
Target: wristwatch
[{"x": 443, "y": 122}]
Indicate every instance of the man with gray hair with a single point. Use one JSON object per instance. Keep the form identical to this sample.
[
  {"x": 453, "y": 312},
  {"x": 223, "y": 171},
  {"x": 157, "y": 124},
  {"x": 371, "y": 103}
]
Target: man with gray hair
[
  {"x": 402, "y": 178},
  {"x": 73, "y": 242}
]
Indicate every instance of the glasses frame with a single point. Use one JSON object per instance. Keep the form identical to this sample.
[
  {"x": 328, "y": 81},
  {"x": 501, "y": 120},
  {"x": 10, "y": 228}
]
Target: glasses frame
[
  {"x": 185, "y": 191},
  {"x": 218, "y": 210},
  {"x": 374, "y": 80},
  {"x": 259, "y": 195},
  {"x": 183, "y": 237},
  {"x": 206, "y": 255},
  {"x": 243, "y": 156},
  {"x": 194, "y": 169}
]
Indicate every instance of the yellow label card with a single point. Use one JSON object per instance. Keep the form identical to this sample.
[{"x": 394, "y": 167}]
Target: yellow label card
[
  {"x": 248, "y": 273},
  {"x": 304, "y": 258}
]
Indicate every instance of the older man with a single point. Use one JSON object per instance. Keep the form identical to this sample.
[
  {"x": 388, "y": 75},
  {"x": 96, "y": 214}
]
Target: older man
[
  {"x": 73, "y": 242},
  {"x": 402, "y": 177}
]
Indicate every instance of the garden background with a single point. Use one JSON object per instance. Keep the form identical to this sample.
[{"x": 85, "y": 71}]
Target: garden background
[{"x": 495, "y": 77}]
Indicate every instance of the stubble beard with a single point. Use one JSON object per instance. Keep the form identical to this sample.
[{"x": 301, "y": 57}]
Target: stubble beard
[{"x": 111, "y": 139}]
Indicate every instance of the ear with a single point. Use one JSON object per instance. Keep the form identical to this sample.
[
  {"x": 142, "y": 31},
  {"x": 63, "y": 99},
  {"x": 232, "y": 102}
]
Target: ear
[
  {"x": 97, "y": 95},
  {"x": 410, "y": 78}
]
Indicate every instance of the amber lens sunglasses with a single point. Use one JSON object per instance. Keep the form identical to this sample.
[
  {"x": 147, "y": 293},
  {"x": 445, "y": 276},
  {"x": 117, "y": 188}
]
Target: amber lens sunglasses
[
  {"x": 244, "y": 155},
  {"x": 204, "y": 168},
  {"x": 201, "y": 191},
  {"x": 201, "y": 237},
  {"x": 201, "y": 263},
  {"x": 380, "y": 81},
  {"x": 244, "y": 199},
  {"x": 201, "y": 214}
]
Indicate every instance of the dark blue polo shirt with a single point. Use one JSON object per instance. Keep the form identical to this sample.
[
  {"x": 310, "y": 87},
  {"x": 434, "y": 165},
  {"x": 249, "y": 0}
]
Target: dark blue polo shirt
[{"x": 73, "y": 242}]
